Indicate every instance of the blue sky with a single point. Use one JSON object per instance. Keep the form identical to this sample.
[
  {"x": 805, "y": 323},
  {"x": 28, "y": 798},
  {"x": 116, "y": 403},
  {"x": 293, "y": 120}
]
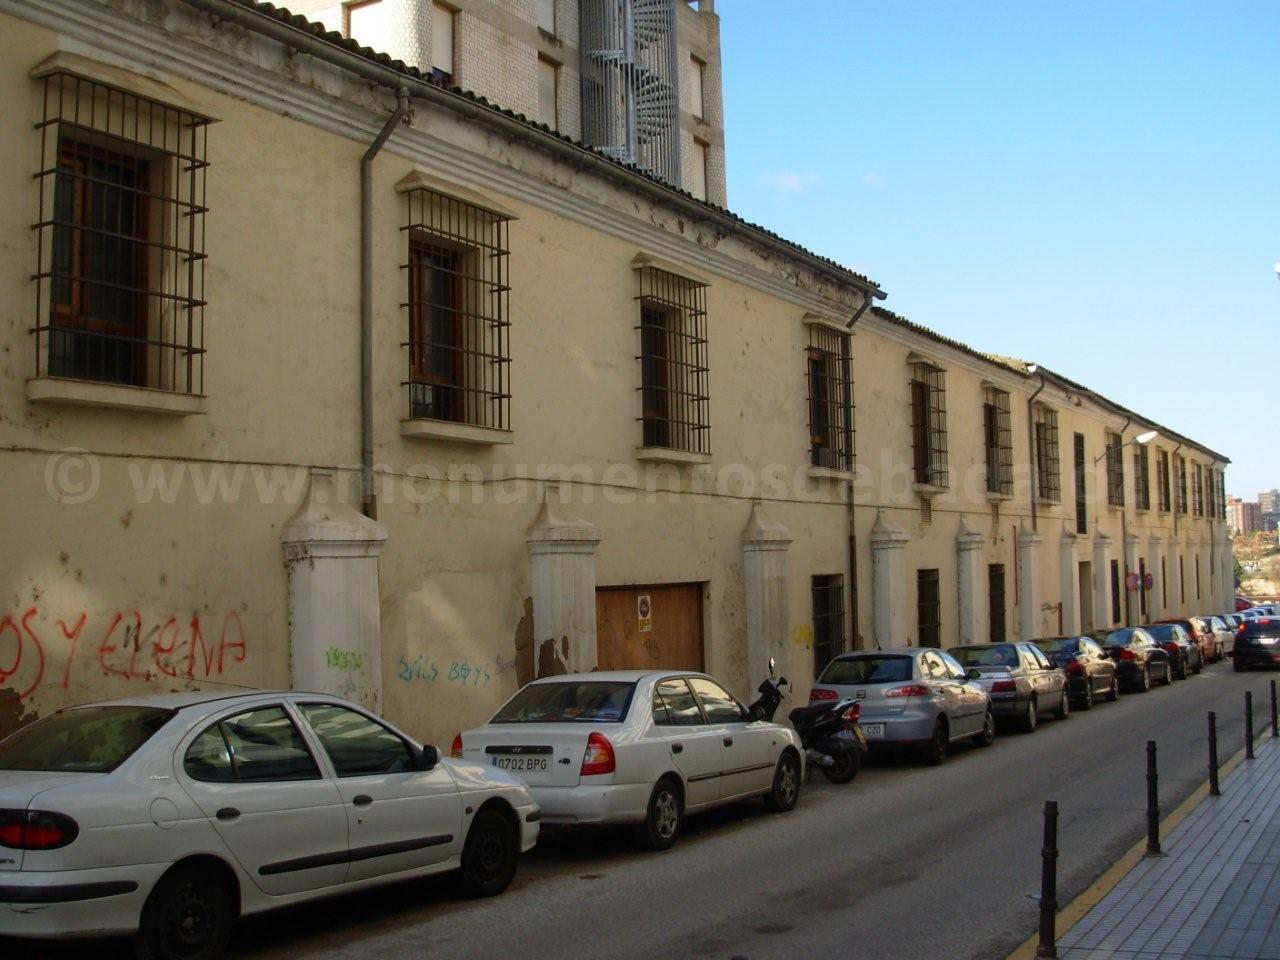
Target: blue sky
[{"x": 1093, "y": 185}]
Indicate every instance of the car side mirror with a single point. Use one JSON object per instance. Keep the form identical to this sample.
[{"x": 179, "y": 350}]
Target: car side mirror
[
  {"x": 974, "y": 673},
  {"x": 428, "y": 757}
]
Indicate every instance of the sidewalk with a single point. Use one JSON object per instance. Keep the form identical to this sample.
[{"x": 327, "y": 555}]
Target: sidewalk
[{"x": 1214, "y": 895}]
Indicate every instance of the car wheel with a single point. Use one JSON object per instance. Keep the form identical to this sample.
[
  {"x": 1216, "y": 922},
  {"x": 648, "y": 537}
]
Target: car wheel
[
  {"x": 1113, "y": 694},
  {"x": 1086, "y": 702},
  {"x": 489, "y": 855},
  {"x": 786, "y": 784},
  {"x": 662, "y": 821},
  {"x": 1064, "y": 708},
  {"x": 1030, "y": 716},
  {"x": 188, "y": 916},
  {"x": 935, "y": 749},
  {"x": 847, "y": 763},
  {"x": 1144, "y": 679},
  {"x": 1168, "y": 673},
  {"x": 1237, "y": 665},
  {"x": 988, "y": 735},
  {"x": 1199, "y": 663}
]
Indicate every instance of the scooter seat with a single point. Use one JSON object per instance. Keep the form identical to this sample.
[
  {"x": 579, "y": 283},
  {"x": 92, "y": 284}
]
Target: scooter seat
[{"x": 803, "y": 714}]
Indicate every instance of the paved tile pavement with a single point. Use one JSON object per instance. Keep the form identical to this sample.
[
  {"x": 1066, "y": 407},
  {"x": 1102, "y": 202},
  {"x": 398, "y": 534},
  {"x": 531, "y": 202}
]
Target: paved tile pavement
[{"x": 1214, "y": 895}]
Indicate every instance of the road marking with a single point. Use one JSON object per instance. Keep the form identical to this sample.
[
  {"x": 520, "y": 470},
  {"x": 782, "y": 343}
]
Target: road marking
[{"x": 1072, "y": 913}]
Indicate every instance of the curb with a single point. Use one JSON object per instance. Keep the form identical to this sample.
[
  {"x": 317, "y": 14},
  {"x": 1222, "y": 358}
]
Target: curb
[{"x": 1089, "y": 898}]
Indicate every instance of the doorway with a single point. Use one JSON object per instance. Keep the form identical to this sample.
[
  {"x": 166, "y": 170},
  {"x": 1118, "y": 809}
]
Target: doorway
[
  {"x": 652, "y": 627},
  {"x": 1086, "y": 596}
]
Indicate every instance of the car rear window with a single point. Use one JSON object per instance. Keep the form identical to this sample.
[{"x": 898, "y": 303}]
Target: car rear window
[
  {"x": 1260, "y": 627},
  {"x": 868, "y": 670},
  {"x": 568, "y": 701},
  {"x": 1161, "y": 632},
  {"x": 1118, "y": 638},
  {"x": 84, "y": 740},
  {"x": 1002, "y": 655},
  {"x": 1059, "y": 644}
]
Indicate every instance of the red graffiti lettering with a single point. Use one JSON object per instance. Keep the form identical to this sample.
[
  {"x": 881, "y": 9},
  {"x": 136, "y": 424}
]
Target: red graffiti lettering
[
  {"x": 106, "y": 647},
  {"x": 38, "y": 676},
  {"x": 24, "y": 639},
  {"x": 73, "y": 638},
  {"x": 161, "y": 652},
  {"x": 205, "y": 654},
  {"x": 232, "y": 620}
]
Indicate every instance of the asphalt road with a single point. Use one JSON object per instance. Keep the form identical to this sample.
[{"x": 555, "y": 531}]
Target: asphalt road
[{"x": 907, "y": 861}]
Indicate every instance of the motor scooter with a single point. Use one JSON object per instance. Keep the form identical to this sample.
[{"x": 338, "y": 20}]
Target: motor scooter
[{"x": 830, "y": 733}]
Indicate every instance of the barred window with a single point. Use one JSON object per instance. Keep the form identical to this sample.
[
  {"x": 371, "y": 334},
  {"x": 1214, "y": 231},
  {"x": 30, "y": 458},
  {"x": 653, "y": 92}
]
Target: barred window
[
  {"x": 1197, "y": 491},
  {"x": 928, "y": 608},
  {"x": 830, "y": 373},
  {"x": 1048, "y": 459},
  {"x": 1115, "y": 470},
  {"x": 997, "y": 436},
  {"x": 1180, "y": 472},
  {"x": 995, "y": 601},
  {"x": 929, "y": 424},
  {"x": 458, "y": 318},
  {"x": 120, "y": 267},
  {"x": 828, "y": 619},
  {"x": 1082, "y": 518},
  {"x": 673, "y": 361},
  {"x": 1162, "y": 482},
  {"x": 1141, "y": 478}
]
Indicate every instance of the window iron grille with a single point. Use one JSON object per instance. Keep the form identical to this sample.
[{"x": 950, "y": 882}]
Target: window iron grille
[
  {"x": 1048, "y": 459},
  {"x": 1163, "y": 500},
  {"x": 1197, "y": 492},
  {"x": 458, "y": 341},
  {"x": 1082, "y": 500},
  {"x": 1141, "y": 478},
  {"x": 121, "y": 226},
  {"x": 830, "y": 376},
  {"x": 673, "y": 362},
  {"x": 1115, "y": 470},
  {"x": 997, "y": 441},
  {"x": 828, "y": 619},
  {"x": 928, "y": 608},
  {"x": 929, "y": 424},
  {"x": 1115, "y": 591},
  {"x": 995, "y": 596},
  {"x": 1180, "y": 471}
]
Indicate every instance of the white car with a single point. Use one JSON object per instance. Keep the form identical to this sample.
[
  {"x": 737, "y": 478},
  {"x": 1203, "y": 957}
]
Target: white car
[
  {"x": 170, "y": 816},
  {"x": 641, "y": 747}
]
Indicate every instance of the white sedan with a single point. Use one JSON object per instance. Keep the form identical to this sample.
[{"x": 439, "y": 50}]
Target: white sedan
[
  {"x": 170, "y": 816},
  {"x": 638, "y": 747}
]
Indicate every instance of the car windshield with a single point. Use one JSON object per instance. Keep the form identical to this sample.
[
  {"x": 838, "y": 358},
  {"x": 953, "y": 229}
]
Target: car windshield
[
  {"x": 867, "y": 670},
  {"x": 84, "y": 740},
  {"x": 568, "y": 701},
  {"x": 1001, "y": 655},
  {"x": 1059, "y": 644}
]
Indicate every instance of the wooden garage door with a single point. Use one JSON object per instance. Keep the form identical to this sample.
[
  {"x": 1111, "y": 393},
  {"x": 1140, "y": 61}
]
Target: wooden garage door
[{"x": 671, "y": 638}]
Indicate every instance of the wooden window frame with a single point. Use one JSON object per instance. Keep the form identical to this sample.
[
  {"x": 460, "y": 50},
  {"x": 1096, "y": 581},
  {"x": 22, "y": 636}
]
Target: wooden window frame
[
  {"x": 1079, "y": 476},
  {"x": 1048, "y": 455},
  {"x": 997, "y": 441},
  {"x": 1115, "y": 469},
  {"x": 929, "y": 611},
  {"x": 673, "y": 357},
  {"x": 929, "y": 425},
  {"x": 828, "y": 618},
  {"x": 1141, "y": 477},
  {"x": 829, "y": 376},
  {"x": 996, "y": 597}
]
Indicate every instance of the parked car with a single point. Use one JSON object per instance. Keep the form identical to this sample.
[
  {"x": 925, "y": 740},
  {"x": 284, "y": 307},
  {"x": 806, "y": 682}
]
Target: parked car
[
  {"x": 637, "y": 747},
  {"x": 1186, "y": 656},
  {"x": 1242, "y": 603},
  {"x": 1137, "y": 657},
  {"x": 1257, "y": 643},
  {"x": 1199, "y": 632},
  {"x": 1022, "y": 682},
  {"x": 1223, "y": 627},
  {"x": 912, "y": 696},
  {"x": 1090, "y": 672},
  {"x": 170, "y": 816}
]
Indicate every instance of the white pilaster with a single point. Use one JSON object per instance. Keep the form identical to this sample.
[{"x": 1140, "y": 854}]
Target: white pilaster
[
  {"x": 887, "y": 600},
  {"x": 1131, "y": 615},
  {"x": 562, "y": 553},
  {"x": 764, "y": 581},
  {"x": 335, "y": 640},
  {"x": 1101, "y": 580},
  {"x": 1157, "y": 600},
  {"x": 1069, "y": 581},
  {"x": 968, "y": 589},
  {"x": 1029, "y": 599}
]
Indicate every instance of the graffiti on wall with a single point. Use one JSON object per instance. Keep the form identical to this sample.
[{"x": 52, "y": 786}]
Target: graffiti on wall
[
  {"x": 423, "y": 669},
  {"x": 40, "y": 650},
  {"x": 348, "y": 661}
]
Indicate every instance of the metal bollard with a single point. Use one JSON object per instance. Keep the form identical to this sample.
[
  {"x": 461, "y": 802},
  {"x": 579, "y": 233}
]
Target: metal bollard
[
  {"x": 1153, "y": 803},
  {"x": 1248, "y": 724},
  {"x": 1047, "y": 949},
  {"x": 1275, "y": 722},
  {"x": 1213, "y": 755}
]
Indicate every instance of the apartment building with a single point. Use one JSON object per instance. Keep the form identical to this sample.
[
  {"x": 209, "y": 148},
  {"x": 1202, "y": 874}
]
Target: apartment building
[
  {"x": 321, "y": 373},
  {"x": 1244, "y": 516}
]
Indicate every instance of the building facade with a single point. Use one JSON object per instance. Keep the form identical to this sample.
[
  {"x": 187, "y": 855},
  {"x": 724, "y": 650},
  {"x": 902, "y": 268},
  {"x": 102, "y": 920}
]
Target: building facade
[
  {"x": 510, "y": 408},
  {"x": 1243, "y": 516}
]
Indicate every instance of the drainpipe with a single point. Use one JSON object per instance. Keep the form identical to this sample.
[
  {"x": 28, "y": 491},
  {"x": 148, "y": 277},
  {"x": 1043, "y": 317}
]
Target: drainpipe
[
  {"x": 853, "y": 530},
  {"x": 1124, "y": 530},
  {"x": 1173, "y": 479},
  {"x": 368, "y": 499},
  {"x": 1031, "y": 449}
]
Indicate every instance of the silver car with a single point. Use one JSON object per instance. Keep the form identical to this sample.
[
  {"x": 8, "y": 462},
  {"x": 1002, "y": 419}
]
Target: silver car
[
  {"x": 1224, "y": 634},
  {"x": 916, "y": 696},
  {"x": 1022, "y": 681}
]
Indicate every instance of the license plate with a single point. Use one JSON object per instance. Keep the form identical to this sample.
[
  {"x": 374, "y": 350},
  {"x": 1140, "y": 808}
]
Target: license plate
[
  {"x": 521, "y": 764},
  {"x": 873, "y": 730}
]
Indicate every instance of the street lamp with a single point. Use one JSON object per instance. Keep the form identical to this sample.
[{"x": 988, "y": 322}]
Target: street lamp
[{"x": 1141, "y": 439}]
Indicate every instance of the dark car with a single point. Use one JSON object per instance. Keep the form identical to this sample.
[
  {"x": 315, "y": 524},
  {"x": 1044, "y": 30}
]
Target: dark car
[
  {"x": 1200, "y": 632},
  {"x": 1186, "y": 655},
  {"x": 1138, "y": 658},
  {"x": 1090, "y": 672},
  {"x": 1257, "y": 643}
]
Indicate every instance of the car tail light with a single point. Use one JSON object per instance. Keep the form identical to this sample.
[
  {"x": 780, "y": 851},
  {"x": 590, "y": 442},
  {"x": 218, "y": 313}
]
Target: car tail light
[
  {"x": 598, "y": 757},
  {"x": 1004, "y": 686},
  {"x": 853, "y": 713},
  {"x": 910, "y": 690},
  {"x": 1126, "y": 654},
  {"x": 36, "y": 830},
  {"x": 1172, "y": 646},
  {"x": 455, "y": 750},
  {"x": 1073, "y": 666},
  {"x": 820, "y": 694}
]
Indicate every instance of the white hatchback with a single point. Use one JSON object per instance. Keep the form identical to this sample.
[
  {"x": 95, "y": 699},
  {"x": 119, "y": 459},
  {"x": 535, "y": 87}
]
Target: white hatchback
[
  {"x": 169, "y": 816},
  {"x": 642, "y": 747}
]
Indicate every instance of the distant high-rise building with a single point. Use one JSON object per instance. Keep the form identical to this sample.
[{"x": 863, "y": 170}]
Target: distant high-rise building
[
  {"x": 1243, "y": 516},
  {"x": 1269, "y": 501}
]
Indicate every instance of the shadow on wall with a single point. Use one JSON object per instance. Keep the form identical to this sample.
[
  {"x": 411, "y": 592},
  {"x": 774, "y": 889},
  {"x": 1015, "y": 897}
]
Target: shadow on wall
[{"x": 12, "y": 713}]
